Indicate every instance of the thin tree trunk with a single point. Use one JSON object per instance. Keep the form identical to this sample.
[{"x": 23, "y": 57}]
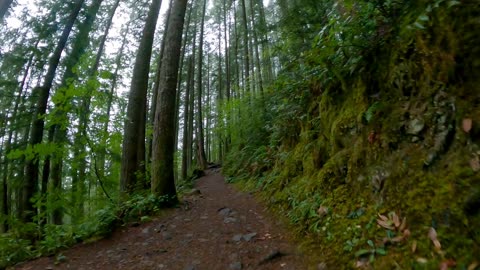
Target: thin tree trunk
[
  {"x": 104, "y": 137},
  {"x": 32, "y": 165},
  {"x": 257, "y": 52},
  {"x": 80, "y": 138},
  {"x": 163, "y": 181},
  {"x": 202, "y": 160},
  {"x": 246, "y": 47},
  {"x": 186, "y": 117}
]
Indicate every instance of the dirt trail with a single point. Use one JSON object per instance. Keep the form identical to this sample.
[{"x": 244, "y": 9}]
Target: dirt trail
[{"x": 216, "y": 228}]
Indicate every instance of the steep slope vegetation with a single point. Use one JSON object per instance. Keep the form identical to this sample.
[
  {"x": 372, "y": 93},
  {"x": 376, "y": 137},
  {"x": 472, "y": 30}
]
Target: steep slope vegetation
[{"x": 371, "y": 145}]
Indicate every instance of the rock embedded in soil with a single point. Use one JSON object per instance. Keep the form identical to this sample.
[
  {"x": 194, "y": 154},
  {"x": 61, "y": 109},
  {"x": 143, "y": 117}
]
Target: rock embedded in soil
[
  {"x": 224, "y": 211},
  {"x": 236, "y": 266},
  {"x": 237, "y": 238},
  {"x": 271, "y": 256},
  {"x": 249, "y": 237},
  {"x": 167, "y": 236},
  {"x": 229, "y": 220},
  {"x": 415, "y": 126}
]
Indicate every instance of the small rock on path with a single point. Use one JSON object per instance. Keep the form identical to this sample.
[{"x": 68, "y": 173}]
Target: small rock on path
[{"x": 221, "y": 229}]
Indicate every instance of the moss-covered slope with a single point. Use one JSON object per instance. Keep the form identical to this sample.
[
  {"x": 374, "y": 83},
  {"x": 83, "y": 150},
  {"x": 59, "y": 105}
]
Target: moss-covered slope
[{"x": 372, "y": 134}]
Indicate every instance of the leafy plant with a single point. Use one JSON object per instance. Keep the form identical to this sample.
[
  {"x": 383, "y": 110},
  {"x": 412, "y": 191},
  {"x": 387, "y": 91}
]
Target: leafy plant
[
  {"x": 396, "y": 230},
  {"x": 370, "y": 252}
]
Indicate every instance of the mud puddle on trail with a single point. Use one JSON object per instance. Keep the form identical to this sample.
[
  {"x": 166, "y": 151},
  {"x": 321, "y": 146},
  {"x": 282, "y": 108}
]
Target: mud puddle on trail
[{"x": 215, "y": 228}]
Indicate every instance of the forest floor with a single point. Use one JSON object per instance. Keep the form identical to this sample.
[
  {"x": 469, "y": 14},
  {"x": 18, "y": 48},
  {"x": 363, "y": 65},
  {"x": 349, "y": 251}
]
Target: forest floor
[{"x": 215, "y": 227}]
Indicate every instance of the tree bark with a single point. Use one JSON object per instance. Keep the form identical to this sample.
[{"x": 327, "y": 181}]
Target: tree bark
[
  {"x": 4, "y": 6},
  {"x": 202, "y": 160},
  {"x": 153, "y": 106},
  {"x": 186, "y": 117},
  {"x": 133, "y": 148},
  {"x": 163, "y": 181},
  {"x": 246, "y": 47}
]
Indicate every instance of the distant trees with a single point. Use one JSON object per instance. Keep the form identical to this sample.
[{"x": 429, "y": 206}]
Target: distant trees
[{"x": 75, "y": 135}]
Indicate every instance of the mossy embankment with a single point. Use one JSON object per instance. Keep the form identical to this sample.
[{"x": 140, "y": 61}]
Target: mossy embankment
[{"x": 395, "y": 131}]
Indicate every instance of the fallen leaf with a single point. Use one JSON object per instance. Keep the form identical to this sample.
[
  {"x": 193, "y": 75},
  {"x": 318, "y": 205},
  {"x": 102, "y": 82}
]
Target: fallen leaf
[
  {"x": 397, "y": 239},
  {"x": 385, "y": 224},
  {"x": 396, "y": 220},
  {"x": 361, "y": 264},
  {"x": 422, "y": 260},
  {"x": 322, "y": 211},
  {"x": 473, "y": 266},
  {"x": 403, "y": 226},
  {"x": 445, "y": 265},
  {"x": 467, "y": 124},
  {"x": 432, "y": 234},
  {"x": 437, "y": 244},
  {"x": 414, "y": 246},
  {"x": 475, "y": 164},
  {"x": 382, "y": 217}
]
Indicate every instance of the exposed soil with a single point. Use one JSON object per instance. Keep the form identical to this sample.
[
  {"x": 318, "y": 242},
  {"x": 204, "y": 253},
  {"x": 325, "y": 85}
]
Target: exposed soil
[{"x": 216, "y": 227}]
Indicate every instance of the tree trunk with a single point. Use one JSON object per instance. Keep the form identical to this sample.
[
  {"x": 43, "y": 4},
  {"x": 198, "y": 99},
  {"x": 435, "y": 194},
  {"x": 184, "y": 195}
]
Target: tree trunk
[
  {"x": 32, "y": 165},
  {"x": 81, "y": 136},
  {"x": 246, "y": 47},
  {"x": 4, "y": 6},
  {"x": 153, "y": 106},
  {"x": 133, "y": 148},
  {"x": 257, "y": 51},
  {"x": 163, "y": 181},
  {"x": 202, "y": 160},
  {"x": 186, "y": 117}
]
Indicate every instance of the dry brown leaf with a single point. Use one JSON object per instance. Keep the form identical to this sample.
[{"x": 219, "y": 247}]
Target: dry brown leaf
[
  {"x": 437, "y": 244},
  {"x": 403, "y": 226},
  {"x": 473, "y": 266},
  {"x": 397, "y": 239},
  {"x": 385, "y": 224},
  {"x": 361, "y": 264},
  {"x": 422, "y": 260},
  {"x": 467, "y": 124},
  {"x": 432, "y": 234},
  {"x": 414, "y": 246},
  {"x": 396, "y": 220},
  {"x": 322, "y": 211},
  {"x": 382, "y": 217},
  {"x": 445, "y": 265},
  {"x": 475, "y": 164}
]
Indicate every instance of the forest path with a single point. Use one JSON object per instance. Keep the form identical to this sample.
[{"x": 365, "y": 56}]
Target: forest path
[{"x": 215, "y": 228}]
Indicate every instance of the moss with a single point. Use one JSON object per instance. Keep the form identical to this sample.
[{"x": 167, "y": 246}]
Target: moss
[{"x": 350, "y": 164}]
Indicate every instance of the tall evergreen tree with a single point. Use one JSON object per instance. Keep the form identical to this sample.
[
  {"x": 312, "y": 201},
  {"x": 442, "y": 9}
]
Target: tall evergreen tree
[
  {"x": 202, "y": 160},
  {"x": 163, "y": 180},
  {"x": 133, "y": 153}
]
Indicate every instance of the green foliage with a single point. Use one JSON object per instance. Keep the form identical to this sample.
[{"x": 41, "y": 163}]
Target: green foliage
[
  {"x": 336, "y": 136},
  {"x": 15, "y": 248}
]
